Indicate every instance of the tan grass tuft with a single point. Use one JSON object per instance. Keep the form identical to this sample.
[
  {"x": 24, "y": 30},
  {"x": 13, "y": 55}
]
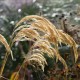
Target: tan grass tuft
[
  {"x": 26, "y": 33},
  {"x": 36, "y": 58},
  {"x": 65, "y": 38},
  {"x": 43, "y": 43}
]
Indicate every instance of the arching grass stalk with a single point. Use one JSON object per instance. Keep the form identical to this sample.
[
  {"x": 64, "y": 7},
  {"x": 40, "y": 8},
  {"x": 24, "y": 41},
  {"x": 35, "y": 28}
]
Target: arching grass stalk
[{"x": 5, "y": 60}]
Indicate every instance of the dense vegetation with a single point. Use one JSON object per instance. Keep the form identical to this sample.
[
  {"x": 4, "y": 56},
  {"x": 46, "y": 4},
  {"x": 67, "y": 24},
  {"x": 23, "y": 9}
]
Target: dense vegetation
[{"x": 35, "y": 48}]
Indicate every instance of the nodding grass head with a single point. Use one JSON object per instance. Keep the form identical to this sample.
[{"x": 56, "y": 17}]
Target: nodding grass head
[{"x": 43, "y": 34}]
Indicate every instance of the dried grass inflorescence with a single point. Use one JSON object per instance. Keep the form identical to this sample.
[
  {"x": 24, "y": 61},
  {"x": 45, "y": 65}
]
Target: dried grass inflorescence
[{"x": 43, "y": 34}]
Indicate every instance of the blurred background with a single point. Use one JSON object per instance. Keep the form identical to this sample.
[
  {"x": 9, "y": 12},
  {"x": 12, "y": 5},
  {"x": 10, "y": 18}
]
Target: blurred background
[
  {"x": 64, "y": 14},
  {"x": 60, "y": 12}
]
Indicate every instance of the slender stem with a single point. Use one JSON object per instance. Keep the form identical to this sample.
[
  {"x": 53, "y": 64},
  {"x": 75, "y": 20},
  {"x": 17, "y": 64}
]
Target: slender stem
[
  {"x": 19, "y": 69},
  {"x": 3, "y": 65},
  {"x": 4, "y": 78}
]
